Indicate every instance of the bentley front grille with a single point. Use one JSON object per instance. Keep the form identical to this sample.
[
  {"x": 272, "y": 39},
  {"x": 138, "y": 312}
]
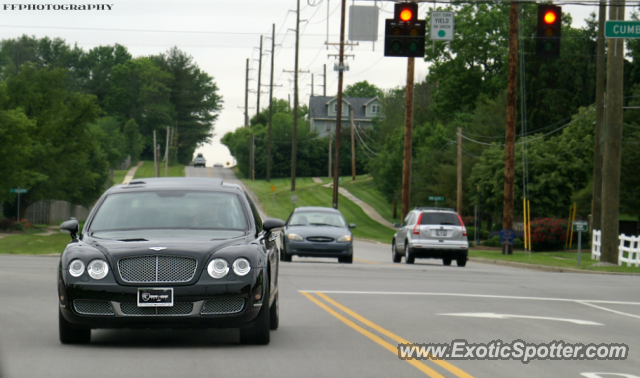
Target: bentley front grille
[
  {"x": 222, "y": 306},
  {"x": 93, "y": 307},
  {"x": 150, "y": 269},
  {"x": 180, "y": 308}
]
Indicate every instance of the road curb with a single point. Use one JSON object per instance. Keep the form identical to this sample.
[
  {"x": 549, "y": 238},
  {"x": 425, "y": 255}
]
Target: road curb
[{"x": 545, "y": 268}]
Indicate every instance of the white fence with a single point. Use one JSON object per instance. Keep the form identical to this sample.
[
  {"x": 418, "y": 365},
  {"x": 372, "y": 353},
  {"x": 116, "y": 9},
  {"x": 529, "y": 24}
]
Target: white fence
[{"x": 629, "y": 254}]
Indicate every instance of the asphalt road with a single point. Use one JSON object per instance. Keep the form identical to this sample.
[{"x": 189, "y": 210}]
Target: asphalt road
[{"x": 340, "y": 320}]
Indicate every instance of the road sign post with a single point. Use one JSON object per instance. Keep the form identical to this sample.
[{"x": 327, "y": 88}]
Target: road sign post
[
  {"x": 18, "y": 191},
  {"x": 294, "y": 199},
  {"x": 273, "y": 195},
  {"x": 580, "y": 226}
]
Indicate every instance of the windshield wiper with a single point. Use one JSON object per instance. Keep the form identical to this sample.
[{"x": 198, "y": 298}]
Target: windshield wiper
[
  {"x": 133, "y": 240},
  {"x": 324, "y": 224}
]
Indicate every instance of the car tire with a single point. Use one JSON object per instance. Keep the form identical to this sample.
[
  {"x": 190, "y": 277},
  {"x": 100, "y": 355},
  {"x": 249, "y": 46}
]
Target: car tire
[
  {"x": 395, "y": 256},
  {"x": 258, "y": 332},
  {"x": 70, "y": 335},
  {"x": 409, "y": 258},
  {"x": 274, "y": 316},
  {"x": 346, "y": 260},
  {"x": 284, "y": 256},
  {"x": 446, "y": 261},
  {"x": 462, "y": 261}
]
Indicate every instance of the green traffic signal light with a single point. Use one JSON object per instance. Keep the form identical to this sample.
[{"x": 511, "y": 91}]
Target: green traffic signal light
[{"x": 413, "y": 46}]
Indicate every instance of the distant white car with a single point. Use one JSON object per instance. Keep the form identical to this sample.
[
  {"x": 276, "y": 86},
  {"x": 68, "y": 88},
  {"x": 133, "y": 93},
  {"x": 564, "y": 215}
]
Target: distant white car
[
  {"x": 218, "y": 165},
  {"x": 199, "y": 161}
]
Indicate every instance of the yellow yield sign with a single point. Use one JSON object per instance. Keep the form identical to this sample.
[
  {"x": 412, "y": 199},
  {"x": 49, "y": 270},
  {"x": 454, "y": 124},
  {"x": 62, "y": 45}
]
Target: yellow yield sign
[{"x": 273, "y": 188}]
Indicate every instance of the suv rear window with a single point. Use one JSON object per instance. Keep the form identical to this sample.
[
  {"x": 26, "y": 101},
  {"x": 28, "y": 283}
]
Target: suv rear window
[{"x": 440, "y": 219}]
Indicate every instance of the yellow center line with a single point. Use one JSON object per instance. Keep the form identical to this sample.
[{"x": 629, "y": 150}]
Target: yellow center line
[
  {"x": 368, "y": 262},
  {"x": 209, "y": 170},
  {"x": 393, "y": 349},
  {"x": 458, "y": 372}
]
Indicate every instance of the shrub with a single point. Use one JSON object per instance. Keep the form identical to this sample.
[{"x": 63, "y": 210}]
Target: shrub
[
  {"x": 496, "y": 227},
  {"x": 22, "y": 224},
  {"x": 7, "y": 224},
  {"x": 518, "y": 243},
  {"x": 468, "y": 221},
  {"x": 484, "y": 234},
  {"x": 471, "y": 244},
  {"x": 493, "y": 242},
  {"x": 548, "y": 234}
]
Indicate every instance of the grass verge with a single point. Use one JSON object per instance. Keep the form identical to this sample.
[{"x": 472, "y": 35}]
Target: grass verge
[
  {"x": 278, "y": 205},
  {"x": 33, "y": 244},
  {"x": 146, "y": 170},
  {"x": 366, "y": 191},
  {"x": 556, "y": 259},
  {"x": 118, "y": 176}
]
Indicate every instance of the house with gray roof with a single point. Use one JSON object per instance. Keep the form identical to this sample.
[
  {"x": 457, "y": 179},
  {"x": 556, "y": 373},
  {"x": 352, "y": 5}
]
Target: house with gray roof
[{"x": 323, "y": 112}]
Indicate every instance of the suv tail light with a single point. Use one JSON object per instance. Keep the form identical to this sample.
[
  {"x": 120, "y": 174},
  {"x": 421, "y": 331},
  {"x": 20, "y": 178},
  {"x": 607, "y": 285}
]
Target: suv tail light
[
  {"x": 416, "y": 229},
  {"x": 464, "y": 229}
]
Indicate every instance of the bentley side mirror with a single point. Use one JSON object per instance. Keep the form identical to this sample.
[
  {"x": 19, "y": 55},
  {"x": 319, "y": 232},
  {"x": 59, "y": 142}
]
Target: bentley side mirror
[
  {"x": 272, "y": 224},
  {"x": 352, "y": 225},
  {"x": 72, "y": 227},
  {"x": 396, "y": 225}
]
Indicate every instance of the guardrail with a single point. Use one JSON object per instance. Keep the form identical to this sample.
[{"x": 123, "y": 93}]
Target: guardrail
[{"x": 626, "y": 254}]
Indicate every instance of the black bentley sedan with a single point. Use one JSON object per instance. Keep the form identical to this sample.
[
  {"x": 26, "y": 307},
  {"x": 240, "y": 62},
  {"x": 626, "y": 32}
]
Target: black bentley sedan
[
  {"x": 317, "y": 232},
  {"x": 171, "y": 253}
]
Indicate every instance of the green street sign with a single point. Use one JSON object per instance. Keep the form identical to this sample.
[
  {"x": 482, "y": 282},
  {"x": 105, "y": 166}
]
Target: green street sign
[
  {"x": 19, "y": 191},
  {"x": 622, "y": 29},
  {"x": 580, "y": 226},
  {"x": 435, "y": 198}
]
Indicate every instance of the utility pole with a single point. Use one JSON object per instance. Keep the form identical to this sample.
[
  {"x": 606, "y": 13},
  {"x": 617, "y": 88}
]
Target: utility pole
[
  {"x": 612, "y": 142},
  {"x": 510, "y": 137},
  {"x": 312, "y": 85},
  {"x": 330, "y": 144},
  {"x": 155, "y": 162},
  {"x": 246, "y": 97},
  {"x": 336, "y": 170},
  {"x": 353, "y": 150},
  {"x": 166, "y": 154},
  {"x": 324, "y": 79},
  {"x": 408, "y": 130},
  {"x": 460, "y": 170},
  {"x": 273, "y": 48},
  {"x": 259, "y": 77},
  {"x": 598, "y": 150}
]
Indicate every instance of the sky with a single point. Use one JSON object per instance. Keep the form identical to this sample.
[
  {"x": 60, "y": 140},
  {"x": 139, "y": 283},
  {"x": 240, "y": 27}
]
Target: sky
[{"x": 221, "y": 34}]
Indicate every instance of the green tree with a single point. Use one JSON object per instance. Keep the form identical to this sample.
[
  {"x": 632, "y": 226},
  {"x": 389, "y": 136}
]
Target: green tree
[
  {"x": 133, "y": 140},
  {"x": 362, "y": 89}
]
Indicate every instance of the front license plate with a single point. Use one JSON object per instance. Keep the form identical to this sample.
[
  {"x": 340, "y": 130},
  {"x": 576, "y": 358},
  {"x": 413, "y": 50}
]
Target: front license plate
[
  {"x": 441, "y": 233},
  {"x": 155, "y": 297}
]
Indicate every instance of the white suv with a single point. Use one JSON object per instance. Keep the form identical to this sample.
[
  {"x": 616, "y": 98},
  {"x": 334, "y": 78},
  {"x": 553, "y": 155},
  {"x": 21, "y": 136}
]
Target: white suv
[
  {"x": 199, "y": 161},
  {"x": 433, "y": 233}
]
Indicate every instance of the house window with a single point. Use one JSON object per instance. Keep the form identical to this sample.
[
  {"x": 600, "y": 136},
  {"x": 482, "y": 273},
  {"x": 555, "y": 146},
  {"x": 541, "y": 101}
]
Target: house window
[
  {"x": 335, "y": 107},
  {"x": 327, "y": 126},
  {"x": 375, "y": 108}
]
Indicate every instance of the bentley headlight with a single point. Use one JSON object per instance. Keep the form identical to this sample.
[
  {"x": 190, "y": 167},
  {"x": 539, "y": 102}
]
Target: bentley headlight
[
  {"x": 76, "y": 268},
  {"x": 218, "y": 268},
  {"x": 98, "y": 269},
  {"x": 295, "y": 237},
  {"x": 241, "y": 266},
  {"x": 344, "y": 239}
]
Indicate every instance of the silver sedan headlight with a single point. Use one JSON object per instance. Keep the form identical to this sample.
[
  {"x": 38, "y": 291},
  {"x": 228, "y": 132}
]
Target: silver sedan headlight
[
  {"x": 344, "y": 239},
  {"x": 241, "y": 266},
  {"x": 76, "y": 268},
  {"x": 98, "y": 269},
  {"x": 218, "y": 268},
  {"x": 295, "y": 237}
]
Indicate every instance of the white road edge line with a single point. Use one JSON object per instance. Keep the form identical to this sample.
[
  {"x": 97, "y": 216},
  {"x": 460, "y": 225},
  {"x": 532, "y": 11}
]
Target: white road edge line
[
  {"x": 608, "y": 309},
  {"x": 472, "y": 296},
  {"x": 492, "y": 315}
]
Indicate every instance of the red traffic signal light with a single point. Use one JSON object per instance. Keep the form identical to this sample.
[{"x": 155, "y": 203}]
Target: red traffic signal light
[
  {"x": 549, "y": 31},
  {"x": 406, "y": 12},
  {"x": 550, "y": 17}
]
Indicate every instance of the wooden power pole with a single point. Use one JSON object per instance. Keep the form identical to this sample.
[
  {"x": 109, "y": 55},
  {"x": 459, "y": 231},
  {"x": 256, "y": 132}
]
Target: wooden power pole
[
  {"x": 324, "y": 84},
  {"x": 353, "y": 149},
  {"x": 612, "y": 142},
  {"x": 294, "y": 143},
  {"x": 273, "y": 47},
  {"x": 408, "y": 130},
  {"x": 510, "y": 137},
  {"x": 259, "y": 77},
  {"x": 598, "y": 150},
  {"x": 459, "y": 171},
  {"x": 336, "y": 163}
]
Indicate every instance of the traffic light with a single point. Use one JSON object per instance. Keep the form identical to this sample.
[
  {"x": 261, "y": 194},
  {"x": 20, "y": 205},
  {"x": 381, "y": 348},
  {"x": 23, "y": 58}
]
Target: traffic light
[
  {"x": 549, "y": 31},
  {"x": 404, "y": 35}
]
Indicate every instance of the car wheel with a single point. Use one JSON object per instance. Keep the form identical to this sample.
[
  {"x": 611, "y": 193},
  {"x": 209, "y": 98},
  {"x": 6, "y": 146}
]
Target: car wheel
[
  {"x": 462, "y": 261},
  {"x": 446, "y": 261},
  {"x": 258, "y": 332},
  {"x": 284, "y": 256},
  {"x": 409, "y": 258},
  {"x": 70, "y": 335},
  {"x": 395, "y": 256},
  {"x": 274, "y": 316},
  {"x": 347, "y": 260}
]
